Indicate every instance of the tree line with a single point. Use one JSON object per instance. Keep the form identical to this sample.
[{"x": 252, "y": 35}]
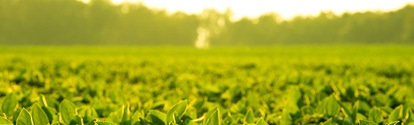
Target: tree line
[{"x": 99, "y": 22}]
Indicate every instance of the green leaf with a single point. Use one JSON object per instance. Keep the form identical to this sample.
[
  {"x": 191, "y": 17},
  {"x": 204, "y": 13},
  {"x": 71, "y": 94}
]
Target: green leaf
[
  {"x": 261, "y": 122},
  {"x": 78, "y": 120},
  {"x": 393, "y": 123},
  {"x": 56, "y": 123},
  {"x": 90, "y": 112},
  {"x": 4, "y": 121},
  {"x": 253, "y": 99},
  {"x": 177, "y": 110},
  {"x": 136, "y": 116},
  {"x": 286, "y": 118},
  {"x": 352, "y": 114},
  {"x": 104, "y": 123},
  {"x": 375, "y": 114},
  {"x": 329, "y": 106},
  {"x": 249, "y": 118},
  {"x": 189, "y": 122},
  {"x": 68, "y": 111},
  {"x": 24, "y": 118},
  {"x": 9, "y": 104},
  {"x": 116, "y": 116},
  {"x": 89, "y": 115},
  {"x": 365, "y": 122},
  {"x": 292, "y": 96},
  {"x": 396, "y": 114},
  {"x": 51, "y": 114},
  {"x": 43, "y": 101},
  {"x": 332, "y": 106},
  {"x": 39, "y": 116},
  {"x": 156, "y": 117},
  {"x": 125, "y": 115},
  {"x": 214, "y": 118},
  {"x": 410, "y": 118}
]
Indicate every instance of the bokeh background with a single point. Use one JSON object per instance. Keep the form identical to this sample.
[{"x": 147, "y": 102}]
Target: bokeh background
[{"x": 105, "y": 22}]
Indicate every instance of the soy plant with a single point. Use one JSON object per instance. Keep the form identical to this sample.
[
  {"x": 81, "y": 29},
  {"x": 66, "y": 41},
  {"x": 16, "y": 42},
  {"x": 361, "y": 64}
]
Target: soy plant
[
  {"x": 337, "y": 112},
  {"x": 10, "y": 105},
  {"x": 69, "y": 114}
]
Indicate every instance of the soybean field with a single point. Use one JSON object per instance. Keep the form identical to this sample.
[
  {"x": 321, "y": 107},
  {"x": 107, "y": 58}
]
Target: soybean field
[{"x": 282, "y": 85}]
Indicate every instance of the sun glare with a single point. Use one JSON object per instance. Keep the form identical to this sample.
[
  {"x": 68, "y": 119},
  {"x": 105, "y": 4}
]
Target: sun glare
[{"x": 286, "y": 9}]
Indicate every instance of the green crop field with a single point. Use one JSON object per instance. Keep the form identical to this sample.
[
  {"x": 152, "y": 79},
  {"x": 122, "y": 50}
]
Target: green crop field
[{"x": 284, "y": 85}]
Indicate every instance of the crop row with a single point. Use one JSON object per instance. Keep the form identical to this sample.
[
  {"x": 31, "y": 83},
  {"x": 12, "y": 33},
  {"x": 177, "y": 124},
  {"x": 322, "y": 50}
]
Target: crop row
[{"x": 179, "y": 90}]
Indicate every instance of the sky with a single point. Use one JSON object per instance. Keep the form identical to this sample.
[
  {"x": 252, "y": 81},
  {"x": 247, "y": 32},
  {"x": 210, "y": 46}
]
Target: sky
[{"x": 287, "y": 9}]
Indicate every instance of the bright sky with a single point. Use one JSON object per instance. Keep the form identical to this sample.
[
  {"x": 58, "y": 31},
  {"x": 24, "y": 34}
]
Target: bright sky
[{"x": 285, "y": 8}]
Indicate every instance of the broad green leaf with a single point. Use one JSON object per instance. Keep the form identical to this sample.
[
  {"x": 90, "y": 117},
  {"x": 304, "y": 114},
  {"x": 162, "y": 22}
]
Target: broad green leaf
[
  {"x": 125, "y": 115},
  {"x": 51, "y": 114},
  {"x": 89, "y": 115},
  {"x": 345, "y": 108},
  {"x": 136, "y": 116},
  {"x": 4, "y": 121},
  {"x": 39, "y": 116},
  {"x": 396, "y": 114},
  {"x": 214, "y": 118},
  {"x": 329, "y": 106},
  {"x": 354, "y": 115},
  {"x": 249, "y": 118},
  {"x": 294, "y": 93},
  {"x": 332, "y": 107},
  {"x": 363, "y": 106},
  {"x": 361, "y": 117},
  {"x": 43, "y": 101},
  {"x": 365, "y": 122},
  {"x": 410, "y": 118},
  {"x": 329, "y": 122},
  {"x": 56, "y": 123},
  {"x": 261, "y": 122},
  {"x": 68, "y": 111},
  {"x": 78, "y": 120},
  {"x": 24, "y": 118},
  {"x": 189, "y": 122},
  {"x": 116, "y": 116},
  {"x": 177, "y": 110},
  {"x": 91, "y": 122},
  {"x": 104, "y": 123},
  {"x": 156, "y": 117},
  {"x": 9, "y": 104},
  {"x": 375, "y": 114},
  {"x": 351, "y": 114},
  {"x": 90, "y": 112},
  {"x": 253, "y": 100},
  {"x": 292, "y": 96},
  {"x": 393, "y": 123},
  {"x": 286, "y": 118}
]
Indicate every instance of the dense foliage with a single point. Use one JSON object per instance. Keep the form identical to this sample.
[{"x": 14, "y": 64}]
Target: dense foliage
[
  {"x": 62, "y": 22},
  {"x": 281, "y": 85}
]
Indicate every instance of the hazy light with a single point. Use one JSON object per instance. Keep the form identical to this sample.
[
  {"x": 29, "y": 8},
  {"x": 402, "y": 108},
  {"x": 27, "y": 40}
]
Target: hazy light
[
  {"x": 286, "y": 8},
  {"x": 202, "y": 41}
]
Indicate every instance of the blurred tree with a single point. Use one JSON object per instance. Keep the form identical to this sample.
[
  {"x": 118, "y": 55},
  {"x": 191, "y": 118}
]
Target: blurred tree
[
  {"x": 267, "y": 28},
  {"x": 141, "y": 25},
  {"x": 237, "y": 33},
  {"x": 99, "y": 22},
  {"x": 211, "y": 24},
  {"x": 103, "y": 20},
  {"x": 407, "y": 34},
  {"x": 326, "y": 28}
]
